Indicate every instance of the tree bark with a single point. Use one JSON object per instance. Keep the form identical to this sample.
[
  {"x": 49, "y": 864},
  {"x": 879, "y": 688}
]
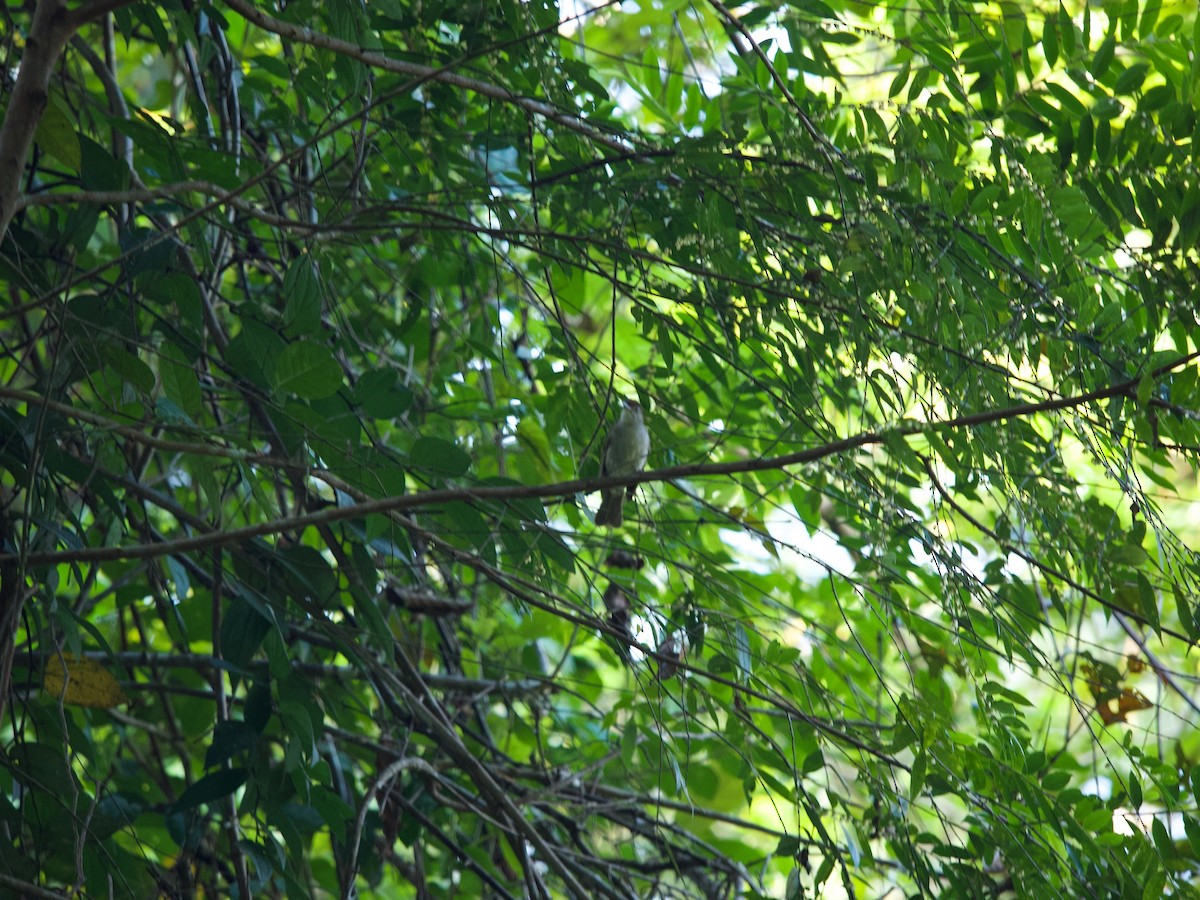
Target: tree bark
[{"x": 48, "y": 35}]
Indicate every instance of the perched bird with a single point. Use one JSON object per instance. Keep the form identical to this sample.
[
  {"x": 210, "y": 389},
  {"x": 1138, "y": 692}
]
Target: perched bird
[{"x": 625, "y": 452}]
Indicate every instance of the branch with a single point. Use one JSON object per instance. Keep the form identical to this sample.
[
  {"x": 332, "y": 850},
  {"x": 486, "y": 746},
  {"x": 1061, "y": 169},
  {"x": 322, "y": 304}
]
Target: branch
[
  {"x": 511, "y": 585},
  {"x": 522, "y": 832},
  {"x": 134, "y": 434},
  {"x": 383, "y": 778},
  {"x": 48, "y": 34},
  {"x": 53, "y": 25},
  {"x": 1048, "y": 570},
  {"x": 1165, "y": 675},
  {"x": 386, "y": 505},
  {"x": 145, "y": 195},
  {"x": 106, "y": 198},
  {"x": 90, "y": 12},
  {"x": 424, "y": 73},
  {"x": 138, "y": 659},
  {"x": 26, "y": 889},
  {"x": 137, "y": 436}
]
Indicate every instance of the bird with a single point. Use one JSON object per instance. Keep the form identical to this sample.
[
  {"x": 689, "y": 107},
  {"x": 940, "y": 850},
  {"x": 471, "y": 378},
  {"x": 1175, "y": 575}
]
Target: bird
[{"x": 625, "y": 452}]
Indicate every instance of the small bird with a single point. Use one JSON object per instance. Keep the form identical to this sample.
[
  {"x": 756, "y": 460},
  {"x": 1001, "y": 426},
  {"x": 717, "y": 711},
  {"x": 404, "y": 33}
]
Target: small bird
[{"x": 625, "y": 452}]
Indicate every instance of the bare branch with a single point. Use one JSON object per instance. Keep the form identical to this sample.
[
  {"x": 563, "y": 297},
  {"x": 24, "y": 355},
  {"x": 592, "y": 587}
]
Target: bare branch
[{"x": 144, "y": 195}]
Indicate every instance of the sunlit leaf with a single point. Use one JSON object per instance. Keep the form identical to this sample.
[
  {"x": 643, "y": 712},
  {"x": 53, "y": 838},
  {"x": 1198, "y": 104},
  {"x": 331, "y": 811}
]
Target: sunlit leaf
[{"x": 81, "y": 682}]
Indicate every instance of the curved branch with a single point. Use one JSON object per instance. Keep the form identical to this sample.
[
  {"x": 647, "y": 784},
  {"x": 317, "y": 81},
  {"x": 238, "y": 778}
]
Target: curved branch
[
  {"x": 425, "y": 73},
  {"x": 382, "y": 779}
]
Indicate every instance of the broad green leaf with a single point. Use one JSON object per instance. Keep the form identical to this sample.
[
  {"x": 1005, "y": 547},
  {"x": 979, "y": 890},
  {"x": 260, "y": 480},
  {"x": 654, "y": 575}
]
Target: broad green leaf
[
  {"x": 213, "y": 786},
  {"x": 439, "y": 457},
  {"x": 382, "y": 395},
  {"x": 99, "y": 169},
  {"x": 179, "y": 381},
  {"x": 230, "y": 738},
  {"x": 308, "y": 370},
  {"x": 302, "y": 298},
  {"x": 57, "y": 136}
]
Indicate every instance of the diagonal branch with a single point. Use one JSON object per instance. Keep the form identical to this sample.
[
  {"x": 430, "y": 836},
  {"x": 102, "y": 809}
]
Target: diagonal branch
[
  {"x": 322, "y": 41},
  {"x": 587, "y": 485}
]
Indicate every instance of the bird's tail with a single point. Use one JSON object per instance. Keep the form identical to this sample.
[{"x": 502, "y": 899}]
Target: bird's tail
[{"x": 610, "y": 512}]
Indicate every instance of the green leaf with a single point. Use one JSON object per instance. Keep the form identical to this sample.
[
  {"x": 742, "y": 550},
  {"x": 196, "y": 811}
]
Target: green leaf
[
  {"x": 1107, "y": 108},
  {"x": 1104, "y": 56},
  {"x": 1150, "y": 13},
  {"x": 115, "y": 812},
  {"x": 1056, "y": 781},
  {"x": 916, "y": 777},
  {"x": 213, "y": 786},
  {"x": 253, "y": 353},
  {"x": 899, "y": 80},
  {"x": 439, "y": 457},
  {"x": 179, "y": 380},
  {"x": 741, "y": 643},
  {"x": 814, "y": 762},
  {"x": 56, "y": 134},
  {"x": 335, "y": 813},
  {"x": 468, "y": 527},
  {"x": 1129, "y": 554},
  {"x": 1156, "y": 98},
  {"x": 230, "y": 738},
  {"x": 171, "y": 413},
  {"x": 1050, "y": 42},
  {"x": 556, "y": 550},
  {"x": 825, "y": 870},
  {"x": 1149, "y": 601},
  {"x": 629, "y": 742},
  {"x": 1084, "y": 140},
  {"x": 1192, "y": 828},
  {"x": 1066, "y": 31},
  {"x": 242, "y": 631},
  {"x": 1131, "y": 79},
  {"x": 307, "y": 370},
  {"x": 99, "y": 170},
  {"x": 302, "y": 298},
  {"x": 382, "y": 395},
  {"x": 132, "y": 369},
  {"x": 1162, "y": 838},
  {"x": 257, "y": 710},
  {"x": 1186, "y": 614}
]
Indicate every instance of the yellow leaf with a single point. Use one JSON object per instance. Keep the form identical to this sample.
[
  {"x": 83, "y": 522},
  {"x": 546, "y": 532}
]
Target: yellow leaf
[{"x": 81, "y": 682}]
